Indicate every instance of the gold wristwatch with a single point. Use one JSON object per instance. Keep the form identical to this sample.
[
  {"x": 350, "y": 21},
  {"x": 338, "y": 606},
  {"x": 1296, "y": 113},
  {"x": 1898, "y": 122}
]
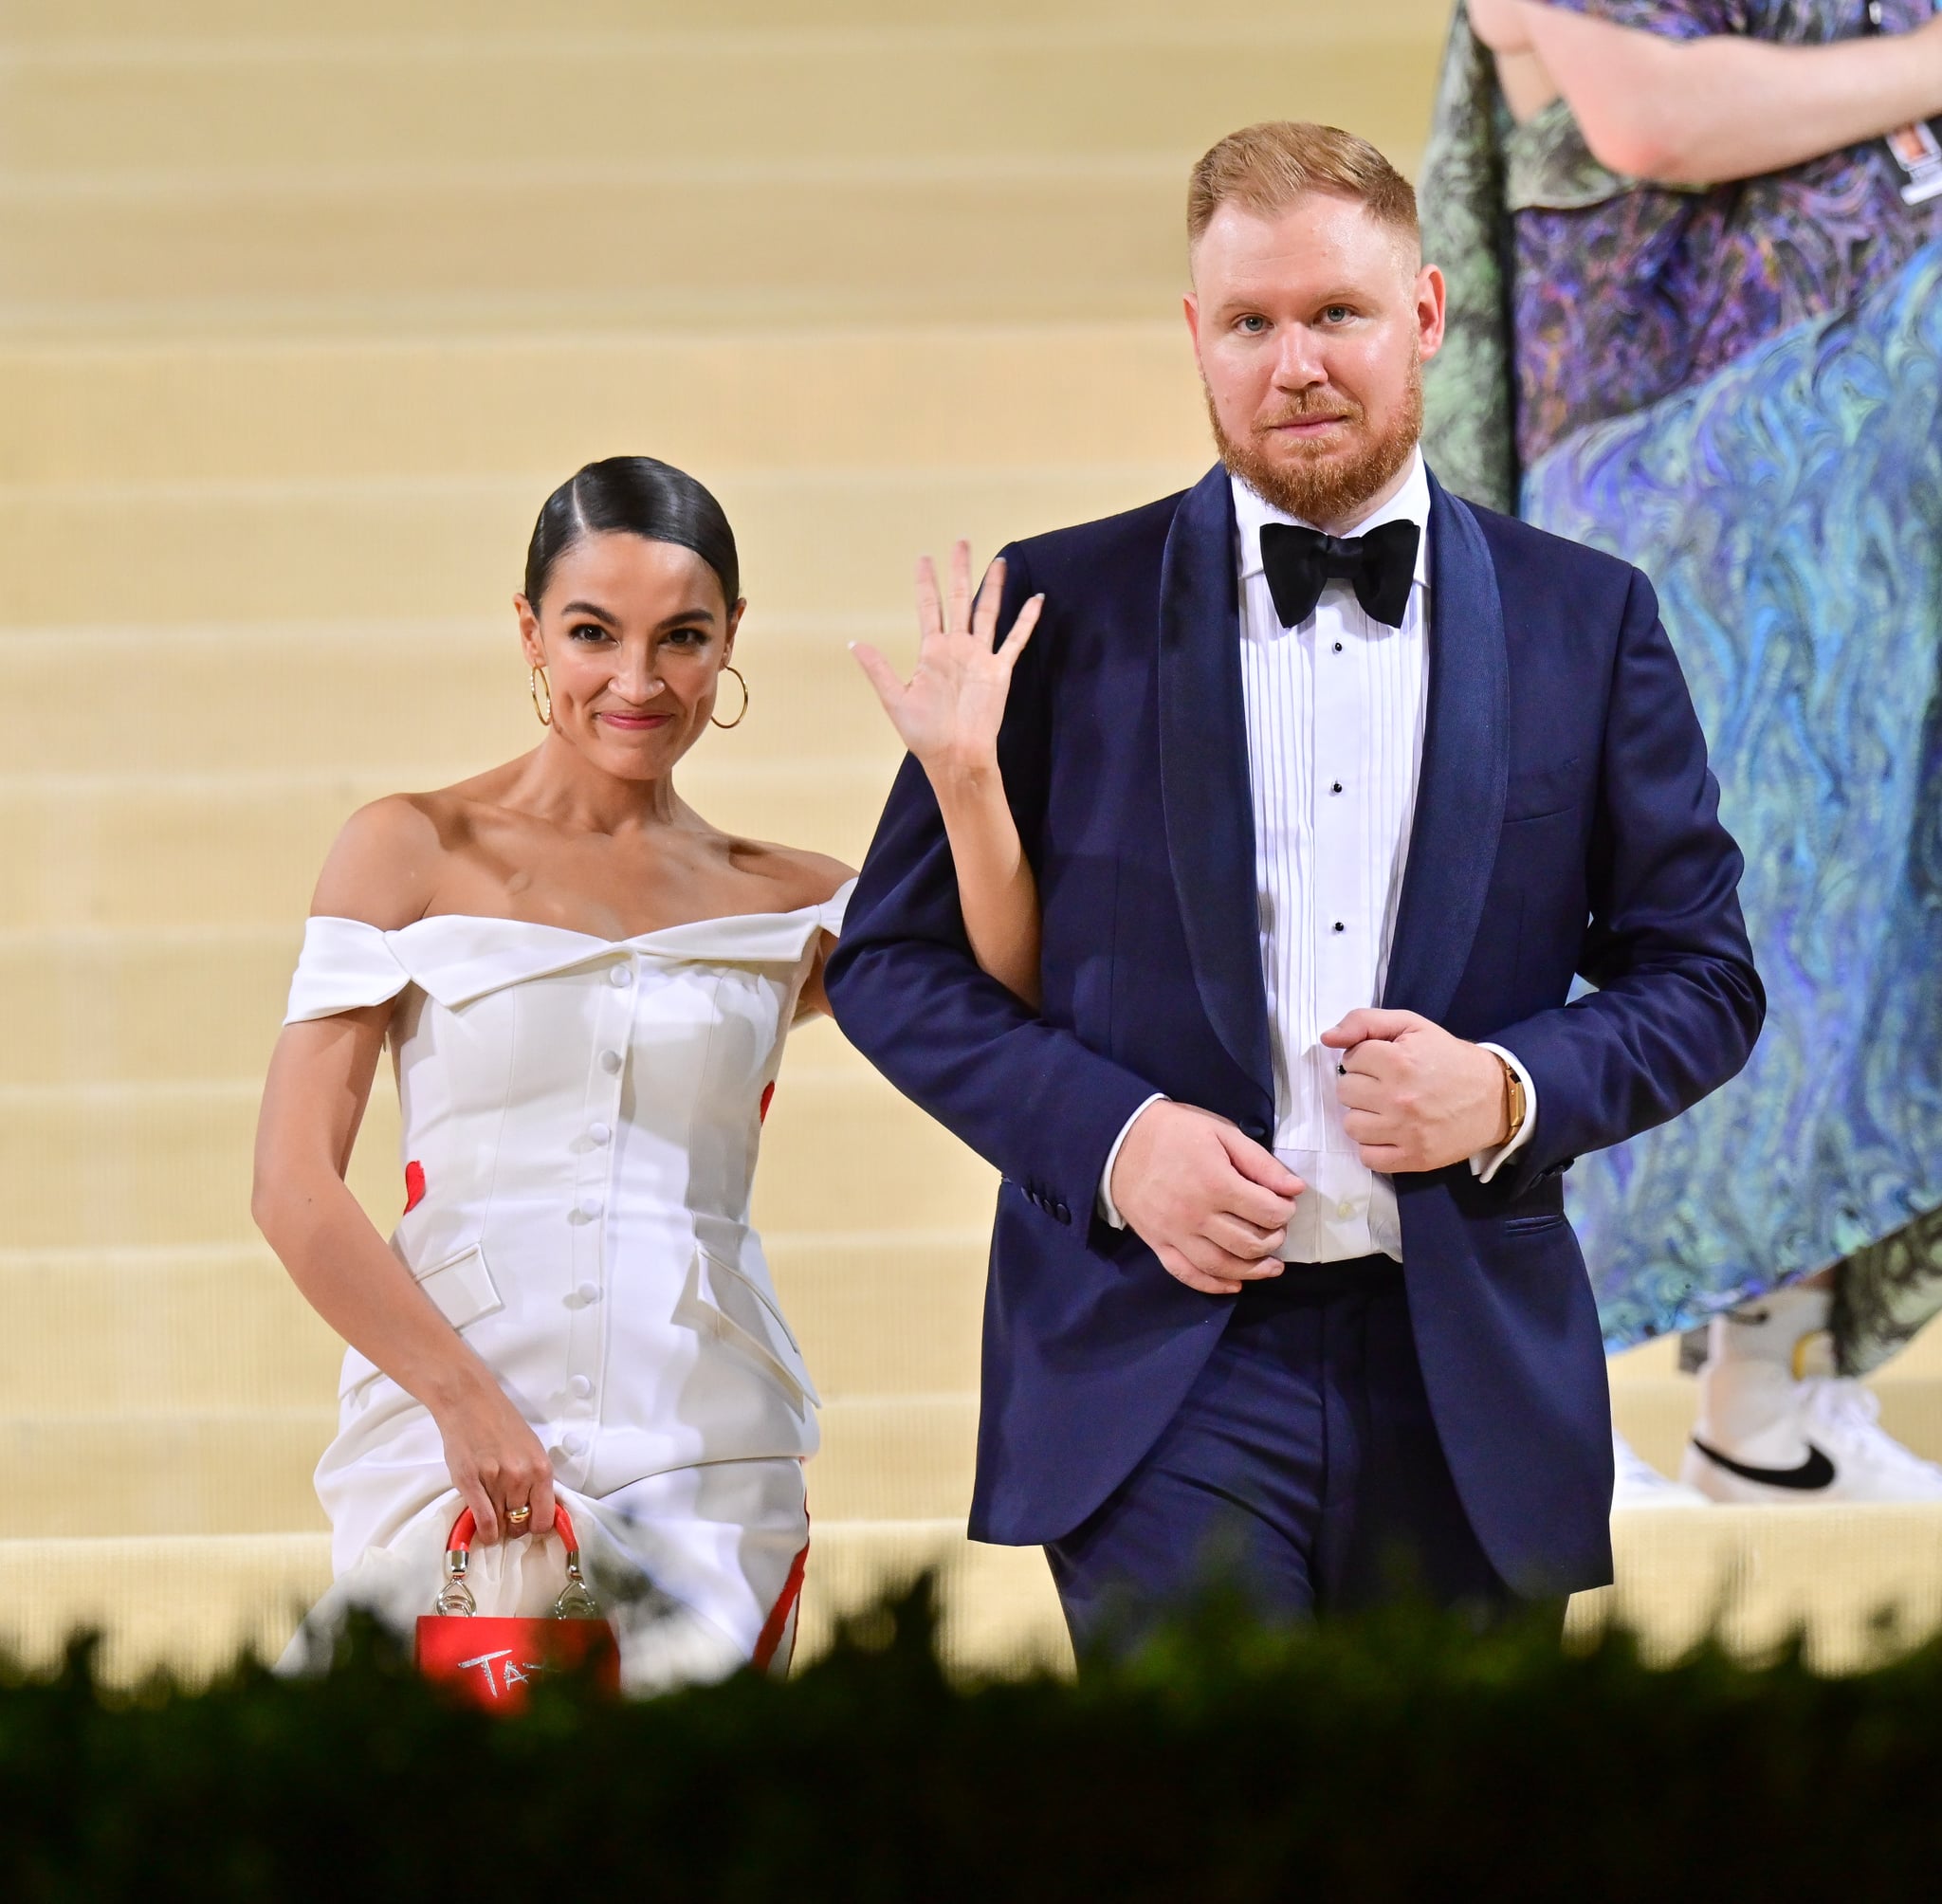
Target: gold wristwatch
[{"x": 1515, "y": 1107}]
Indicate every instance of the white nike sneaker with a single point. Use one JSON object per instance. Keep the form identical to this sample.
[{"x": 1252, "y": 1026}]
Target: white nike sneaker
[
  {"x": 1764, "y": 1437},
  {"x": 1637, "y": 1484}
]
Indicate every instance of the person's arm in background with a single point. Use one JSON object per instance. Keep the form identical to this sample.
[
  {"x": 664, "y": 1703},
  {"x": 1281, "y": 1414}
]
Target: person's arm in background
[{"x": 1706, "y": 109}]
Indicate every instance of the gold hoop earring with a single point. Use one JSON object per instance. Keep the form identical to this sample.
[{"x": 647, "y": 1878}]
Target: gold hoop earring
[
  {"x": 536, "y": 683},
  {"x": 729, "y": 668}
]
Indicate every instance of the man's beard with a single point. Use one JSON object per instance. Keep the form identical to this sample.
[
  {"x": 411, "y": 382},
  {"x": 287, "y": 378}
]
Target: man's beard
[{"x": 1331, "y": 487}]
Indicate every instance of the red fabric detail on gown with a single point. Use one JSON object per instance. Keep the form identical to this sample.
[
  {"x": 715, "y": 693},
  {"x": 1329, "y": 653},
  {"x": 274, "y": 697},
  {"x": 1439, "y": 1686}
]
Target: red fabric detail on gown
[
  {"x": 414, "y": 1186},
  {"x": 777, "y": 1621},
  {"x": 768, "y": 1096}
]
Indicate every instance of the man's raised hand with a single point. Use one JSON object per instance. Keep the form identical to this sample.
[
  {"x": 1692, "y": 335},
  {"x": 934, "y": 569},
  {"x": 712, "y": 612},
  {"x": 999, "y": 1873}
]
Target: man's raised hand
[{"x": 1210, "y": 1202}]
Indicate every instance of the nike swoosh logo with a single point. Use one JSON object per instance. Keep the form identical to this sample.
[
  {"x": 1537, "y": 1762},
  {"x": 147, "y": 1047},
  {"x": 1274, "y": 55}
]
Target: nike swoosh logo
[{"x": 1816, "y": 1471}]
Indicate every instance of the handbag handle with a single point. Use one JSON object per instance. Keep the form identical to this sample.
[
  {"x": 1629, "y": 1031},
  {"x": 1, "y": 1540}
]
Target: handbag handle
[{"x": 576, "y": 1600}]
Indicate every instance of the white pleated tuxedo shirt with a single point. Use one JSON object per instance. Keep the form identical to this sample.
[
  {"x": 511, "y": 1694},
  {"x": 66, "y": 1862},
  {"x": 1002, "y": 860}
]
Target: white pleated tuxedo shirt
[{"x": 1334, "y": 711}]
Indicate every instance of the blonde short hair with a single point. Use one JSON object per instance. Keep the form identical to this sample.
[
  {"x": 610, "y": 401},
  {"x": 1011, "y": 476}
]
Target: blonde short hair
[{"x": 1267, "y": 166}]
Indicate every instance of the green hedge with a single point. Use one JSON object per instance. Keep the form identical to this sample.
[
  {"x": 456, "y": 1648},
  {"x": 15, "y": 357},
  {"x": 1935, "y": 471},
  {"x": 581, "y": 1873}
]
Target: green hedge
[{"x": 1397, "y": 1757}]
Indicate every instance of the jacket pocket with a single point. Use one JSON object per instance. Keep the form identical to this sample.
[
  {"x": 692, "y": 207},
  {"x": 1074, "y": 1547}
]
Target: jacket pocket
[
  {"x": 1540, "y": 792},
  {"x": 460, "y": 1288},
  {"x": 723, "y": 1303},
  {"x": 462, "y": 1291},
  {"x": 1535, "y": 1224}
]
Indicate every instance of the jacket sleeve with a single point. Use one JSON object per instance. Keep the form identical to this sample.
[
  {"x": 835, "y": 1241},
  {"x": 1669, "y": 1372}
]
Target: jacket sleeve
[
  {"x": 1022, "y": 1091},
  {"x": 1679, "y": 1004}
]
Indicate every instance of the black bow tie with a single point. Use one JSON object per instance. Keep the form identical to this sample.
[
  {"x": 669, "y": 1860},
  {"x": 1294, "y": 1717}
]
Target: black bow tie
[{"x": 1301, "y": 562}]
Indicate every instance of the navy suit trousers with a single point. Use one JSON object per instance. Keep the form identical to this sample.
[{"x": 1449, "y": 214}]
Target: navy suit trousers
[{"x": 1303, "y": 1471}]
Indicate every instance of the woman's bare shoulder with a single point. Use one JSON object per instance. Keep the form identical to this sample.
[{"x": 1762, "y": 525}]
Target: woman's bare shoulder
[
  {"x": 807, "y": 878},
  {"x": 384, "y": 866}
]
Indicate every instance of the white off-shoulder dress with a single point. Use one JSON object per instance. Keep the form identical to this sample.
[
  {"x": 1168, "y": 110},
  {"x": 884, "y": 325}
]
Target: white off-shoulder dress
[{"x": 581, "y": 1122}]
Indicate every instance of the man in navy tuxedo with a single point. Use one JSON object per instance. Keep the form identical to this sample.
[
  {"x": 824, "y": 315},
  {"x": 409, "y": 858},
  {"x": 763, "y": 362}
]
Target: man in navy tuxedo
[{"x": 1329, "y": 783}]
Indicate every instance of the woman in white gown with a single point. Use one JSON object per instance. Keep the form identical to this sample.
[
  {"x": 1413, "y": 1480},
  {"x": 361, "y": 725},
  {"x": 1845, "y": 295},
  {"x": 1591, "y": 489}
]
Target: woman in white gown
[{"x": 586, "y": 989}]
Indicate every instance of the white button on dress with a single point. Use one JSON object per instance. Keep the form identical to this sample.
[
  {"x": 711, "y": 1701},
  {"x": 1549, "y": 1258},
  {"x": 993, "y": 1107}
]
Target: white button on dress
[{"x": 633, "y": 1256}]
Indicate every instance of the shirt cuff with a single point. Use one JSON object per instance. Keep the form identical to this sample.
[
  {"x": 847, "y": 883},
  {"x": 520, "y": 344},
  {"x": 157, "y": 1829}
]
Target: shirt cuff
[
  {"x": 1108, "y": 1210},
  {"x": 1486, "y": 1163}
]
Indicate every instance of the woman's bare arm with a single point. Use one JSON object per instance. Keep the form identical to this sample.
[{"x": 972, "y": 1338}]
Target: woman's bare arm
[
  {"x": 1706, "y": 111},
  {"x": 948, "y": 716},
  {"x": 831, "y": 875},
  {"x": 314, "y": 1101}
]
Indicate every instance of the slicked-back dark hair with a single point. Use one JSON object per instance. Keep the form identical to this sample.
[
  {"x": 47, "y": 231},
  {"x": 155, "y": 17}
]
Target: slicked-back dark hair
[{"x": 634, "y": 496}]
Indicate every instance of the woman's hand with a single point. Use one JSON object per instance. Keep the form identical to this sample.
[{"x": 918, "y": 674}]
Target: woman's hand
[
  {"x": 948, "y": 716},
  {"x": 496, "y": 1462},
  {"x": 949, "y": 712}
]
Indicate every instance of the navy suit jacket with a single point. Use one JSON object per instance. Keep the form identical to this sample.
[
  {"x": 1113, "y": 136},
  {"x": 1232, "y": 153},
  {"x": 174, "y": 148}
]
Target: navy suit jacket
[{"x": 1566, "y": 822}]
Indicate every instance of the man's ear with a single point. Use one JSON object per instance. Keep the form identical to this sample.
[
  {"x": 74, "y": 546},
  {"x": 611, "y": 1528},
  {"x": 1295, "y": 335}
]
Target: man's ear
[
  {"x": 1190, "y": 309},
  {"x": 1431, "y": 311}
]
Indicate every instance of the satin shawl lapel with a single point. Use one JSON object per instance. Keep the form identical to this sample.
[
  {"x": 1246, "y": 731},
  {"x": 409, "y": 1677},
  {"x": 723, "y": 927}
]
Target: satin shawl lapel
[
  {"x": 1466, "y": 764},
  {"x": 1203, "y": 771}
]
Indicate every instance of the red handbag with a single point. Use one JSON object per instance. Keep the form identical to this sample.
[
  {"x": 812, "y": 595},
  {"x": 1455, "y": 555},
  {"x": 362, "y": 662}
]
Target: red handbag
[{"x": 493, "y": 1659}]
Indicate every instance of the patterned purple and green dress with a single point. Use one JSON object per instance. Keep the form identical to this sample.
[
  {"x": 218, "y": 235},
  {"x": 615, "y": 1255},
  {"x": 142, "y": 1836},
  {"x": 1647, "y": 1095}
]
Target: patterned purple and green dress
[{"x": 1739, "y": 388}]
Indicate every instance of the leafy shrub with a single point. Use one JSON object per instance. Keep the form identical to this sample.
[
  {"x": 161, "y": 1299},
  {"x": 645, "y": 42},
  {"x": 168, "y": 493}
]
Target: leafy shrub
[{"x": 1387, "y": 1758}]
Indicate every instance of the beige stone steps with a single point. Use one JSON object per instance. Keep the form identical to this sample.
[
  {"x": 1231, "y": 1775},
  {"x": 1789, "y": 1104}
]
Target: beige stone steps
[
  {"x": 202, "y": 28},
  {"x": 171, "y": 1164},
  {"x": 840, "y": 542},
  {"x": 999, "y": 1612},
  {"x": 145, "y": 1006},
  {"x": 973, "y": 240},
  {"x": 238, "y": 1471},
  {"x": 883, "y": 1312},
  {"x": 111, "y": 1166},
  {"x": 108, "y": 852},
  {"x": 1048, "y": 93},
  {"x": 896, "y": 1458},
  {"x": 186, "y": 1603},
  {"x": 209, "y": 1327},
  {"x": 1758, "y": 1575},
  {"x": 933, "y": 399},
  {"x": 361, "y": 698},
  {"x": 148, "y": 1331},
  {"x": 247, "y": 1470}
]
